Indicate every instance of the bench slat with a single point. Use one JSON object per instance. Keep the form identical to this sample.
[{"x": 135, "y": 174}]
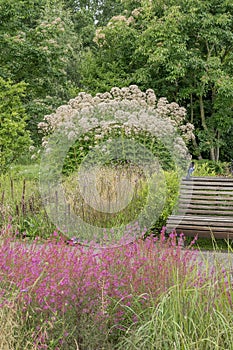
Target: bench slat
[
  {"x": 207, "y": 186},
  {"x": 188, "y": 196},
  {"x": 202, "y": 192},
  {"x": 202, "y": 225},
  {"x": 206, "y": 212},
  {"x": 205, "y": 201},
  {"x": 184, "y": 221},
  {"x": 202, "y": 218},
  {"x": 209, "y": 206},
  {"x": 197, "y": 229},
  {"x": 209, "y": 179}
]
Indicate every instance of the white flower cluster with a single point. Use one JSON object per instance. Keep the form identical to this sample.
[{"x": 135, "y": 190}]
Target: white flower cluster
[
  {"x": 120, "y": 18},
  {"x": 172, "y": 110},
  {"x": 187, "y": 131},
  {"x": 128, "y": 106},
  {"x": 127, "y": 111},
  {"x": 99, "y": 37},
  {"x": 136, "y": 12}
]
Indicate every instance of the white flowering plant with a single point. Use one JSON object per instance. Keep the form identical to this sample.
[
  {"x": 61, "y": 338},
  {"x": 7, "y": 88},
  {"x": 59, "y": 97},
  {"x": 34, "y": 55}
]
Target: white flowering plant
[
  {"x": 124, "y": 129},
  {"x": 95, "y": 122}
]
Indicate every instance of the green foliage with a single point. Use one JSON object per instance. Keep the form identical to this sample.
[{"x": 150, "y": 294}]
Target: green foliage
[
  {"x": 226, "y": 151},
  {"x": 21, "y": 205},
  {"x": 89, "y": 141},
  {"x": 98, "y": 11},
  {"x": 211, "y": 168},
  {"x": 181, "y": 49},
  {"x": 211, "y": 244},
  {"x": 14, "y": 139},
  {"x": 186, "y": 317},
  {"x": 110, "y": 188},
  {"x": 38, "y": 46},
  {"x": 111, "y": 61},
  {"x": 172, "y": 192}
]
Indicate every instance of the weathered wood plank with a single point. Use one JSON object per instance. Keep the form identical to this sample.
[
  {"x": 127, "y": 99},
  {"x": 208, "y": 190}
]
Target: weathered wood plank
[
  {"x": 209, "y": 206},
  {"x": 194, "y": 196},
  {"x": 202, "y": 218},
  {"x": 203, "y": 192},
  {"x": 210, "y": 179},
  {"x": 202, "y": 225},
  {"x": 205, "y": 212},
  {"x": 205, "y": 201},
  {"x": 206, "y": 189}
]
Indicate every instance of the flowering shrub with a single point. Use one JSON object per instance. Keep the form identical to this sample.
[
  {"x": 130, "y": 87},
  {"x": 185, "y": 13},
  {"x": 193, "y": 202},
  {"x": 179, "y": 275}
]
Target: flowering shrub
[
  {"x": 122, "y": 127},
  {"x": 127, "y": 112}
]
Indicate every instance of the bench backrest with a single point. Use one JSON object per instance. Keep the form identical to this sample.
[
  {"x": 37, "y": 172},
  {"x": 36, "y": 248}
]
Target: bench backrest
[{"x": 206, "y": 196}]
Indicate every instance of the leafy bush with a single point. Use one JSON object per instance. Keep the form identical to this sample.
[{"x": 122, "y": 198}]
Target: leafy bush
[
  {"x": 172, "y": 191},
  {"x": 102, "y": 143},
  {"x": 87, "y": 123},
  {"x": 211, "y": 168},
  {"x": 14, "y": 138}
]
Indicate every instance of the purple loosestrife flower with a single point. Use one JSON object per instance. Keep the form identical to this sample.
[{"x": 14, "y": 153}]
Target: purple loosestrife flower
[{"x": 56, "y": 278}]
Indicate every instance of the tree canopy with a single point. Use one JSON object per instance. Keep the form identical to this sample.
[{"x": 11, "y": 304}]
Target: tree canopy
[
  {"x": 37, "y": 45},
  {"x": 182, "y": 49}
]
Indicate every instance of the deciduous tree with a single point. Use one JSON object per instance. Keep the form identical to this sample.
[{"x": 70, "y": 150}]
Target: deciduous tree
[
  {"x": 14, "y": 139},
  {"x": 183, "y": 50},
  {"x": 38, "y": 46}
]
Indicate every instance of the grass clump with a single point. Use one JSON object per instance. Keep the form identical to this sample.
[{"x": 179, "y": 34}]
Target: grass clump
[
  {"x": 21, "y": 204},
  {"x": 185, "y": 318}
]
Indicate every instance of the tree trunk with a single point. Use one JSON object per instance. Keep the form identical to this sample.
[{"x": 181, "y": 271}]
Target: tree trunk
[
  {"x": 217, "y": 154},
  {"x": 217, "y": 147},
  {"x": 205, "y": 127},
  {"x": 198, "y": 153},
  {"x": 194, "y": 141},
  {"x": 191, "y": 109},
  {"x": 202, "y": 112},
  {"x": 212, "y": 154}
]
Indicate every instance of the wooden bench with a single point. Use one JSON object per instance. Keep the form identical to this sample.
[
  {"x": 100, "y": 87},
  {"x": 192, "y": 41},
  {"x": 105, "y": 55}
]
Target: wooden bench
[{"x": 205, "y": 207}]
